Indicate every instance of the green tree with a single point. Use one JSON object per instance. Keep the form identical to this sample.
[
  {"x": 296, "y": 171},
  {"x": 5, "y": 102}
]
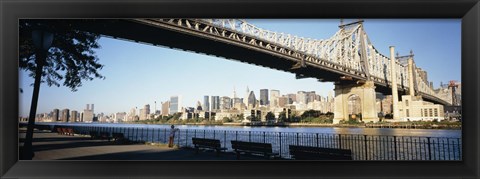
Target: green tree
[
  {"x": 282, "y": 117},
  {"x": 69, "y": 60},
  {"x": 270, "y": 116},
  {"x": 311, "y": 113}
]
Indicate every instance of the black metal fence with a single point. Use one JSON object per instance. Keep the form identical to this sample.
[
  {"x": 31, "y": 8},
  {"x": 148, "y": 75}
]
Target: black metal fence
[{"x": 364, "y": 147}]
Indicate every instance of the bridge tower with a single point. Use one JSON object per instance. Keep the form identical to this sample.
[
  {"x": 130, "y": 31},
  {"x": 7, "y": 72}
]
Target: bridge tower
[{"x": 349, "y": 96}]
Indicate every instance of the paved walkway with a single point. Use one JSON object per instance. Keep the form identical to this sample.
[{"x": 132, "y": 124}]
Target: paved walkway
[{"x": 52, "y": 146}]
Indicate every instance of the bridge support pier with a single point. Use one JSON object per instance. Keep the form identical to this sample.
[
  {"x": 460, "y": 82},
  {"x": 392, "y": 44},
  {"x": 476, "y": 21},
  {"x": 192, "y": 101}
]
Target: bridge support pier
[{"x": 366, "y": 93}]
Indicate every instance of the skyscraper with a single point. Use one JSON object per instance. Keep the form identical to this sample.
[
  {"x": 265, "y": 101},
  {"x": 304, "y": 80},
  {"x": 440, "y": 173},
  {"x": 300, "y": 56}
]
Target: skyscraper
[
  {"x": 65, "y": 115},
  {"x": 145, "y": 112},
  {"x": 245, "y": 99},
  {"x": 55, "y": 115},
  {"x": 175, "y": 104},
  {"x": 274, "y": 95},
  {"x": 264, "y": 97},
  {"x": 206, "y": 103},
  {"x": 225, "y": 102},
  {"x": 215, "y": 103},
  {"x": 252, "y": 100},
  {"x": 302, "y": 97},
  {"x": 88, "y": 114},
  {"x": 74, "y": 116},
  {"x": 165, "y": 108}
]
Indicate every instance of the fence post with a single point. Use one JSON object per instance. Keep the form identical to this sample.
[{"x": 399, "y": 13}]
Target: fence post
[
  {"x": 165, "y": 134},
  {"x": 429, "y": 152},
  {"x": 395, "y": 146},
  {"x": 339, "y": 141},
  {"x": 186, "y": 137},
  {"x": 297, "y": 139},
  {"x": 280, "y": 142},
  {"x": 366, "y": 148},
  {"x": 147, "y": 136},
  {"x": 249, "y": 135},
  {"x": 459, "y": 150},
  {"x": 263, "y": 136},
  {"x": 225, "y": 138},
  {"x": 158, "y": 135},
  {"x": 317, "y": 139},
  {"x": 236, "y": 135}
]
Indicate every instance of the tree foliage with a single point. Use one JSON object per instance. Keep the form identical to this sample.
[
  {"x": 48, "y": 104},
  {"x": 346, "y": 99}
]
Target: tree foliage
[
  {"x": 270, "y": 116},
  {"x": 70, "y": 59}
]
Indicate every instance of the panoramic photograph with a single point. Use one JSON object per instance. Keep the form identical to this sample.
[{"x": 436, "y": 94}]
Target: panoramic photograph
[{"x": 240, "y": 89}]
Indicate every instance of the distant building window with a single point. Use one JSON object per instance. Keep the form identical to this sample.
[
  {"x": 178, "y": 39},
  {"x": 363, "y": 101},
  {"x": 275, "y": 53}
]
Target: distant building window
[
  {"x": 406, "y": 102},
  {"x": 436, "y": 112},
  {"x": 421, "y": 112},
  {"x": 408, "y": 113},
  {"x": 430, "y": 113}
]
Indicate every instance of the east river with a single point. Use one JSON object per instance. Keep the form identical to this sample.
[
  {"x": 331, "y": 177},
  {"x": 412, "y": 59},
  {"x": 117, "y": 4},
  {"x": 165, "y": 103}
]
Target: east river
[{"x": 450, "y": 133}]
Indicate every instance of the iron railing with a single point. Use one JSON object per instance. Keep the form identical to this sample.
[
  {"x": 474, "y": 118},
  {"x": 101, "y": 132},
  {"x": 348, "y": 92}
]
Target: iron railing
[{"x": 364, "y": 147}]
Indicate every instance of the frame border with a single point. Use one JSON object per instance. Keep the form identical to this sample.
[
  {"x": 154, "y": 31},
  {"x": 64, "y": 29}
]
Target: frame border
[{"x": 11, "y": 11}]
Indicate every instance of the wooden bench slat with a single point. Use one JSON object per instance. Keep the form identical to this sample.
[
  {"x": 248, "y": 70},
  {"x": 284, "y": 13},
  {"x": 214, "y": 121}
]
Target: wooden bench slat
[
  {"x": 252, "y": 147},
  {"x": 207, "y": 143}
]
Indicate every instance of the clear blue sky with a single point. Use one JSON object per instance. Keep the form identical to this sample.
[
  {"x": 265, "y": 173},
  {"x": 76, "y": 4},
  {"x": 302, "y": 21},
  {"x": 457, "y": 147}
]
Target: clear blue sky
[{"x": 139, "y": 74}]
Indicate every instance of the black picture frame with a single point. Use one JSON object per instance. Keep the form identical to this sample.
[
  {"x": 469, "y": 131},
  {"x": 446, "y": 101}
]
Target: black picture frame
[{"x": 11, "y": 11}]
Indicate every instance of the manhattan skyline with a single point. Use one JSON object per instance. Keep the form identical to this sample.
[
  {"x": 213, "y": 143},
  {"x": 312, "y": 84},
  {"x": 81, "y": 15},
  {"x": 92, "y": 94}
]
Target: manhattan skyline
[{"x": 138, "y": 74}]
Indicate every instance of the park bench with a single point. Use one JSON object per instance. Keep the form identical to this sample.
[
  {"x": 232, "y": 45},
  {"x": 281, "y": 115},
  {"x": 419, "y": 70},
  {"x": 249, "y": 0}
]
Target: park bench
[
  {"x": 70, "y": 131},
  {"x": 94, "y": 134},
  {"x": 264, "y": 149},
  {"x": 104, "y": 135},
  {"x": 207, "y": 143},
  {"x": 118, "y": 137},
  {"x": 319, "y": 153},
  {"x": 59, "y": 131}
]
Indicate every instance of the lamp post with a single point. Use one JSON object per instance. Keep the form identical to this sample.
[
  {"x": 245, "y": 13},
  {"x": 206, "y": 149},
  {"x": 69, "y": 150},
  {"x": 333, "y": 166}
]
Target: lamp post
[{"x": 42, "y": 41}]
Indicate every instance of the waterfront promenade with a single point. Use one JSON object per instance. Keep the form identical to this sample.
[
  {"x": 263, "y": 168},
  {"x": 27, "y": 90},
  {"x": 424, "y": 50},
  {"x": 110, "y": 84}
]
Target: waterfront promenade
[{"x": 52, "y": 146}]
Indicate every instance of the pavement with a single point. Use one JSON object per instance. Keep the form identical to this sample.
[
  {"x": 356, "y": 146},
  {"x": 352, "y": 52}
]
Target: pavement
[{"x": 53, "y": 146}]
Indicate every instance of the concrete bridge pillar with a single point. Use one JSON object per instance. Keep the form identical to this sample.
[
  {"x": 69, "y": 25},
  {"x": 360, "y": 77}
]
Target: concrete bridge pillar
[{"x": 367, "y": 96}]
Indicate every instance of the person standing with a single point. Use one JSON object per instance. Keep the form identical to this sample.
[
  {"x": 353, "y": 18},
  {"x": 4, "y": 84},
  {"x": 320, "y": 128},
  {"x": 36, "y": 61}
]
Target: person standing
[{"x": 172, "y": 135}]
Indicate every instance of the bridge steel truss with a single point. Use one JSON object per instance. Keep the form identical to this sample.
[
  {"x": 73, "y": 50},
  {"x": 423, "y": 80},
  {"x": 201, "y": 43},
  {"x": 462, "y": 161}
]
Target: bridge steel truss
[{"x": 348, "y": 52}]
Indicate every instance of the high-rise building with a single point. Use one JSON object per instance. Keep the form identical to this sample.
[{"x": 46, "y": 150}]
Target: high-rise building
[
  {"x": 245, "y": 99},
  {"x": 55, "y": 115},
  {"x": 206, "y": 103},
  {"x": 252, "y": 100},
  {"x": 225, "y": 102},
  {"x": 302, "y": 97},
  {"x": 274, "y": 95},
  {"x": 175, "y": 104},
  {"x": 65, "y": 115},
  {"x": 291, "y": 98},
  {"x": 165, "y": 108},
  {"x": 282, "y": 101},
  {"x": 132, "y": 114},
  {"x": 120, "y": 116},
  {"x": 74, "y": 116},
  {"x": 311, "y": 96},
  {"x": 88, "y": 114},
  {"x": 215, "y": 100},
  {"x": 145, "y": 112},
  {"x": 264, "y": 97}
]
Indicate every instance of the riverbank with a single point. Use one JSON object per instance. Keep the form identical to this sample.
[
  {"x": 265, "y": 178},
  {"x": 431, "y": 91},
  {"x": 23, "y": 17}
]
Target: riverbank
[{"x": 403, "y": 125}]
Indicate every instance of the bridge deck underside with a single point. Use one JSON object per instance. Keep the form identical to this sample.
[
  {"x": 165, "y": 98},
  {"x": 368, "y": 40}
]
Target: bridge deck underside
[{"x": 143, "y": 33}]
